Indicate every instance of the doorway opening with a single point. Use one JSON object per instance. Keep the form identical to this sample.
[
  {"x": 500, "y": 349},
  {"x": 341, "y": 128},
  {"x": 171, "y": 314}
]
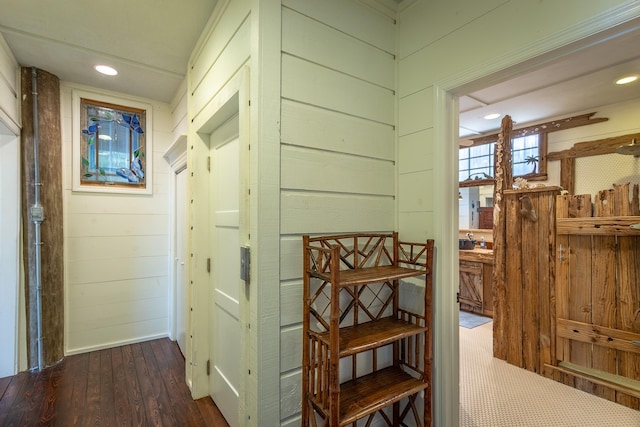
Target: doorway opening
[{"x": 446, "y": 95}]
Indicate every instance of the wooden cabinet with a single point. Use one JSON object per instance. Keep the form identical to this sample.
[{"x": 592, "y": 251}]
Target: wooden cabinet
[
  {"x": 471, "y": 295},
  {"x": 485, "y": 218},
  {"x": 363, "y": 353},
  {"x": 476, "y": 275}
]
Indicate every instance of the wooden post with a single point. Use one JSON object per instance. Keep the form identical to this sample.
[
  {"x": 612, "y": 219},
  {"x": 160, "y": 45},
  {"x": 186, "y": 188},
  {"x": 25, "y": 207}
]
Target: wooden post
[
  {"x": 51, "y": 195},
  {"x": 567, "y": 174},
  {"x": 503, "y": 180}
]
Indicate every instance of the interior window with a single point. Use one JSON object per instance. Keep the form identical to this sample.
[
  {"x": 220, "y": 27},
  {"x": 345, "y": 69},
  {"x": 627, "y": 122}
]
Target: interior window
[
  {"x": 114, "y": 144},
  {"x": 476, "y": 163}
]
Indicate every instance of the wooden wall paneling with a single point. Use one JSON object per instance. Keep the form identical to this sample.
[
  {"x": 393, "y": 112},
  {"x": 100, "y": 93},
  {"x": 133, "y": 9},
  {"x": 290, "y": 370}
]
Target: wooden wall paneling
[
  {"x": 309, "y": 126},
  {"x": 513, "y": 279},
  {"x": 531, "y": 300},
  {"x": 290, "y": 395},
  {"x": 299, "y": 32},
  {"x": 291, "y": 348},
  {"x": 110, "y": 336},
  {"x": 603, "y": 289},
  {"x": 8, "y": 66},
  {"x": 103, "y": 226},
  {"x": 416, "y": 112},
  {"x": 337, "y": 142},
  {"x": 318, "y": 213},
  {"x": 579, "y": 282},
  {"x": 315, "y": 170},
  {"x": 353, "y": 18},
  {"x": 562, "y": 279},
  {"x": 95, "y": 204},
  {"x": 546, "y": 275},
  {"x": 309, "y": 83},
  {"x": 8, "y": 98},
  {"x": 9, "y": 106},
  {"x": 94, "y": 294},
  {"x": 231, "y": 59},
  {"x": 85, "y": 247},
  {"x": 121, "y": 313},
  {"x": 290, "y": 307},
  {"x": 234, "y": 15},
  {"x": 290, "y": 252},
  {"x": 628, "y": 291},
  {"x": 106, "y": 270}
]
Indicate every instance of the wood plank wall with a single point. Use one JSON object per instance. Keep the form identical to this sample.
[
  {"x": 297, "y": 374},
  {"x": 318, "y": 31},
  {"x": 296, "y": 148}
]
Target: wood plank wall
[
  {"x": 526, "y": 314},
  {"x": 570, "y": 306},
  {"x": 598, "y": 294},
  {"x": 117, "y": 249},
  {"x": 217, "y": 60},
  {"x": 337, "y": 145},
  {"x": 10, "y": 206}
]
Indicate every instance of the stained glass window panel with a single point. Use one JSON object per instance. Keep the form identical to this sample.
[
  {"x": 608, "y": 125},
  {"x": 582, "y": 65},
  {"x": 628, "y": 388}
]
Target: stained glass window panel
[{"x": 113, "y": 146}]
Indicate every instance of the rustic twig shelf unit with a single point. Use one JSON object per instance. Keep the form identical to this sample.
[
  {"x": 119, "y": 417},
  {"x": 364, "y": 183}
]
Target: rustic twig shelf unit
[{"x": 363, "y": 354}]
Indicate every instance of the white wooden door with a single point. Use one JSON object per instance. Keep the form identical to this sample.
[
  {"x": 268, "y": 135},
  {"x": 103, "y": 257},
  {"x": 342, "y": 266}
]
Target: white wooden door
[
  {"x": 182, "y": 258},
  {"x": 225, "y": 271}
]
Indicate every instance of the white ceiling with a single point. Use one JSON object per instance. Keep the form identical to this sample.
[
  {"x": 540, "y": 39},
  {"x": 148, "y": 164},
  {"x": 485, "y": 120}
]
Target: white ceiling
[
  {"x": 148, "y": 41},
  {"x": 576, "y": 83}
]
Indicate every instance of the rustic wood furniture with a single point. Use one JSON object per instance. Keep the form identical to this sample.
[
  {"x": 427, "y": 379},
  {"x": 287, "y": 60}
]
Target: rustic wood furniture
[
  {"x": 364, "y": 354},
  {"x": 476, "y": 279}
]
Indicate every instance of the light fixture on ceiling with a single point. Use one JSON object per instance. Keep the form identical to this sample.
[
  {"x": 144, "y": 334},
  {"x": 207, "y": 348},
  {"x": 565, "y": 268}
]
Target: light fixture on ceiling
[
  {"x": 104, "y": 137},
  {"x": 107, "y": 70},
  {"x": 492, "y": 116},
  {"x": 627, "y": 79}
]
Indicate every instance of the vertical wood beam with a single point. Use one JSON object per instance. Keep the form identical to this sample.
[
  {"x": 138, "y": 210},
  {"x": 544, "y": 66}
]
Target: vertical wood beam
[
  {"x": 503, "y": 180},
  {"x": 567, "y": 173},
  {"x": 51, "y": 194}
]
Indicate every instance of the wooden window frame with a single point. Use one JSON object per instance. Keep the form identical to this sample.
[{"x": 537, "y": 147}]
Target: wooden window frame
[
  {"x": 79, "y": 141},
  {"x": 543, "y": 130}
]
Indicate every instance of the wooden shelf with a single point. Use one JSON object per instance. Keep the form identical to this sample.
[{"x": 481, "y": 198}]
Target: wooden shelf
[
  {"x": 376, "y": 319},
  {"x": 374, "y": 334},
  {"x": 364, "y": 276},
  {"x": 367, "y": 394}
]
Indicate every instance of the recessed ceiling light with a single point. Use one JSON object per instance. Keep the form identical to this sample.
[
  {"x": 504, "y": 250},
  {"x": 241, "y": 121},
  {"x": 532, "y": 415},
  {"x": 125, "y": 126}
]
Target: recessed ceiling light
[
  {"x": 627, "y": 79},
  {"x": 492, "y": 116},
  {"x": 105, "y": 69}
]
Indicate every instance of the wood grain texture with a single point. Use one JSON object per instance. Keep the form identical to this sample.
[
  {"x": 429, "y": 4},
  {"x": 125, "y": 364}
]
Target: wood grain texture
[
  {"x": 628, "y": 289},
  {"x": 499, "y": 254},
  {"x": 343, "y": 269},
  {"x": 603, "y": 282},
  {"x": 52, "y": 237},
  {"x": 594, "y": 148},
  {"x": 579, "y": 286},
  {"x": 597, "y": 326},
  {"x": 526, "y": 305},
  {"x": 137, "y": 385}
]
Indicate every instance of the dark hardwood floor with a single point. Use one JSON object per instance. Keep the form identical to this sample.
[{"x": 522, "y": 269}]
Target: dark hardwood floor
[{"x": 135, "y": 385}]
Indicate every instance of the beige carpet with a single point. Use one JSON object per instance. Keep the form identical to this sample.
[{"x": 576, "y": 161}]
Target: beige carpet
[{"x": 496, "y": 394}]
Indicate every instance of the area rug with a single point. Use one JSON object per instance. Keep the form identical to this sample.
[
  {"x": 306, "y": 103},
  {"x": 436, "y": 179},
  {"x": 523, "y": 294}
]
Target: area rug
[{"x": 471, "y": 320}]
